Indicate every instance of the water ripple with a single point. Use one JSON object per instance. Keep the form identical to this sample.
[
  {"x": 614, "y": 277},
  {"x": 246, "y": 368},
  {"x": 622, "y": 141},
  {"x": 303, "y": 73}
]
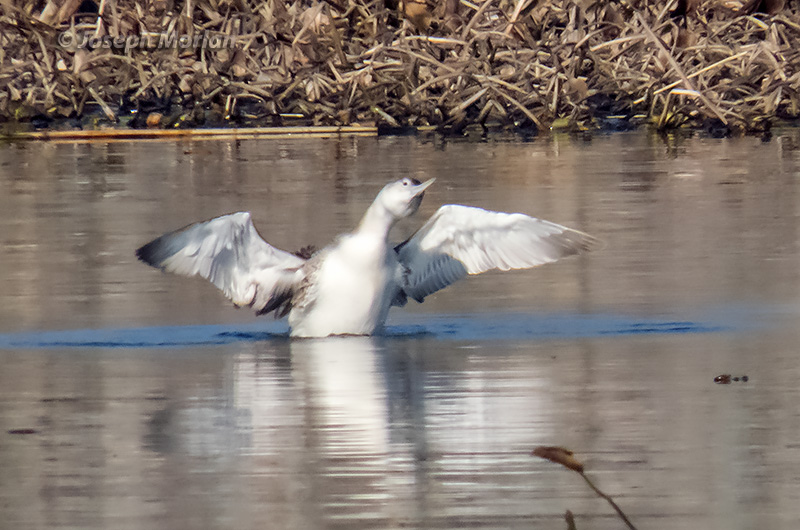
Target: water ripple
[{"x": 516, "y": 326}]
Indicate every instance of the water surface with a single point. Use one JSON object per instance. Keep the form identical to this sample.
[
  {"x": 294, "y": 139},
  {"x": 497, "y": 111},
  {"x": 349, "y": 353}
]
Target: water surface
[{"x": 133, "y": 399}]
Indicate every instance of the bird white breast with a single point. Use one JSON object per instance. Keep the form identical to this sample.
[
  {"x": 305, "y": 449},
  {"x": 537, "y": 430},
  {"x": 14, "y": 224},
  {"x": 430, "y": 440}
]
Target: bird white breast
[{"x": 352, "y": 292}]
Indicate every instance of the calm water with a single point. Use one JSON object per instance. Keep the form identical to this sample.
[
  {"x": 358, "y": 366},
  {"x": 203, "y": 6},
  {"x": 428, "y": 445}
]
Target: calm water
[{"x": 130, "y": 399}]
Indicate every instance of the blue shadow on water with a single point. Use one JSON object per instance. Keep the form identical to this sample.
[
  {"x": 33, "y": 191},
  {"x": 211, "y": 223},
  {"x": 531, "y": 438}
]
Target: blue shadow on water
[
  {"x": 515, "y": 326},
  {"x": 518, "y": 326},
  {"x": 147, "y": 337}
]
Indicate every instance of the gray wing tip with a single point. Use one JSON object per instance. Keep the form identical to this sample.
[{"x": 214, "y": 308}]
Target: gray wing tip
[
  {"x": 151, "y": 253},
  {"x": 156, "y": 252},
  {"x": 577, "y": 242},
  {"x": 591, "y": 243}
]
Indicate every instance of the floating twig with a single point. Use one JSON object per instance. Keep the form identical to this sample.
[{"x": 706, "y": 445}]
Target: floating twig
[{"x": 566, "y": 458}]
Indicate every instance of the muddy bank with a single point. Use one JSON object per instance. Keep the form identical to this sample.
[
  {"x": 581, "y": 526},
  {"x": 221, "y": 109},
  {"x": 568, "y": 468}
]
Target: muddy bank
[{"x": 527, "y": 65}]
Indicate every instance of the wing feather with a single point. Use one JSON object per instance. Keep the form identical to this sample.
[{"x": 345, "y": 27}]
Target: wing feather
[
  {"x": 461, "y": 240},
  {"x": 229, "y": 252}
]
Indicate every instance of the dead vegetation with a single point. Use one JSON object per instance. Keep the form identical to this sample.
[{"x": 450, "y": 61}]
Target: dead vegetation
[{"x": 526, "y": 63}]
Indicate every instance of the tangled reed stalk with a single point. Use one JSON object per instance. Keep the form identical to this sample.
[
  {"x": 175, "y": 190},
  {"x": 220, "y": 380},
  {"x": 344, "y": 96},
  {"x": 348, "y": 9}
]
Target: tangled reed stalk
[{"x": 453, "y": 64}]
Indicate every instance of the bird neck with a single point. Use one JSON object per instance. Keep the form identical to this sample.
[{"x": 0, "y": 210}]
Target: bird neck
[{"x": 377, "y": 222}]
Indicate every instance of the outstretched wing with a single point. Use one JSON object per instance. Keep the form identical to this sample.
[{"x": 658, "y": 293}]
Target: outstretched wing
[
  {"x": 460, "y": 240},
  {"x": 229, "y": 253}
]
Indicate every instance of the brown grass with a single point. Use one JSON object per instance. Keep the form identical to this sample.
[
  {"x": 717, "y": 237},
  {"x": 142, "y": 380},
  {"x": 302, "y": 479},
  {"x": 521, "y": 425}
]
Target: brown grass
[{"x": 529, "y": 63}]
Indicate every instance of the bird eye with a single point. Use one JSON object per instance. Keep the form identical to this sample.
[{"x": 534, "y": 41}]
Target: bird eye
[{"x": 405, "y": 183}]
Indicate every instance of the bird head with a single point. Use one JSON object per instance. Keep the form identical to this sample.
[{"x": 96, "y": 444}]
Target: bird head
[{"x": 403, "y": 197}]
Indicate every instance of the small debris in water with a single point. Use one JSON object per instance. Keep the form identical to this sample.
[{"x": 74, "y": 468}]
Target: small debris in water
[
  {"x": 570, "y": 520},
  {"x": 22, "y": 431},
  {"x": 559, "y": 455},
  {"x": 725, "y": 379}
]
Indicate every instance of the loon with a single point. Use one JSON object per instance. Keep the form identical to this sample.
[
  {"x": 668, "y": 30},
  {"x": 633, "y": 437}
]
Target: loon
[{"x": 348, "y": 287}]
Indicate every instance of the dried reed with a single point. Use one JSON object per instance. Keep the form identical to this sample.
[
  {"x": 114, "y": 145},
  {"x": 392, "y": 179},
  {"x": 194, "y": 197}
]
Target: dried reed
[{"x": 528, "y": 63}]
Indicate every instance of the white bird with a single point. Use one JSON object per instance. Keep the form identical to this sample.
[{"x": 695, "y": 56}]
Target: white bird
[{"x": 348, "y": 287}]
